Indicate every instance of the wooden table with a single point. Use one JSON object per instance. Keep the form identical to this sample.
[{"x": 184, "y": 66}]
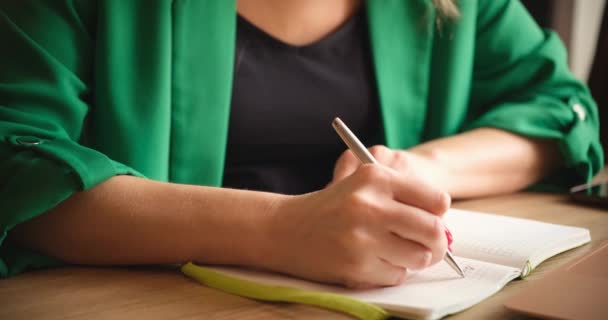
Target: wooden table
[{"x": 163, "y": 293}]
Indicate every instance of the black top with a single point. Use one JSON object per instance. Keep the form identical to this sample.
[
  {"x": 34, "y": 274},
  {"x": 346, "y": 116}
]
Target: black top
[{"x": 284, "y": 98}]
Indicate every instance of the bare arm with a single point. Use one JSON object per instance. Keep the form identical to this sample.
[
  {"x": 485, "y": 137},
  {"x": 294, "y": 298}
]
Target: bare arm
[
  {"x": 489, "y": 161},
  {"x": 128, "y": 220},
  {"x": 477, "y": 163},
  {"x": 367, "y": 230}
]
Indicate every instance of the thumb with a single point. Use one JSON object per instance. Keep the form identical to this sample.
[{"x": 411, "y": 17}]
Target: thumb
[{"x": 346, "y": 165}]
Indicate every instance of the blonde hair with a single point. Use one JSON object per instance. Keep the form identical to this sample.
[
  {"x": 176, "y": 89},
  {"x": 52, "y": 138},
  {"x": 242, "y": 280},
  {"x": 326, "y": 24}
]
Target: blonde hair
[{"x": 446, "y": 9}]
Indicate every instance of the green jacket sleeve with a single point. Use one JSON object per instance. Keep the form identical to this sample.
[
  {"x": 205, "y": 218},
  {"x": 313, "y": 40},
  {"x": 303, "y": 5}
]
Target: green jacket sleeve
[
  {"x": 45, "y": 74},
  {"x": 521, "y": 83}
]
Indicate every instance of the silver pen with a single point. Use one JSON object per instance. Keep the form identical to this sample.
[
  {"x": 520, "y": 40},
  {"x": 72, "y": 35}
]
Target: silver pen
[{"x": 366, "y": 157}]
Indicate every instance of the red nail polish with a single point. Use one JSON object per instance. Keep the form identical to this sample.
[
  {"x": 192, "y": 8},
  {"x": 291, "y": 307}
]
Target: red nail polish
[{"x": 448, "y": 235}]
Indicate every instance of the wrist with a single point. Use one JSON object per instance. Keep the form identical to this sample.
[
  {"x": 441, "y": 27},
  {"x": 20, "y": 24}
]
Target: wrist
[
  {"x": 262, "y": 250},
  {"x": 276, "y": 249},
  {"x": 230, "y": 226}
]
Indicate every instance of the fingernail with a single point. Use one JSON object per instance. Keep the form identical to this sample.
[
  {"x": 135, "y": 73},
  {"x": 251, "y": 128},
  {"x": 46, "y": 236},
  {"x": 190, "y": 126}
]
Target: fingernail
[
  {"x": 446, "y": 200},
  {"x": 448, "y": 235}
]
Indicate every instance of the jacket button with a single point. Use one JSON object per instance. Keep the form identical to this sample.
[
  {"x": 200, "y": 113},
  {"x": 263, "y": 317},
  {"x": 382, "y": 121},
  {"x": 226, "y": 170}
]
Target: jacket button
[
  {"x": 580, "y": 111},
  {"x": 28, "y": 141}
]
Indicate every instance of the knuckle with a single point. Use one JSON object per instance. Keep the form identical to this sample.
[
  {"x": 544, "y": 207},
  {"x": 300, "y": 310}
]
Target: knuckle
[
  {"x": 439, "y": 203},
  {"x": 438, "y": 240},
  {"x": 378, "y": 151},
  {"x": 435, "y": 230},
  {"x": 438, "y": 230},
  {"x": 364, "y": 208},
  {"x": 358, "y": 201},
  {"x": 356, "y": 243},
  {"x": 403, "y": 164},
  {"x": 373, "y": 173},
  {"x": 360, "y": 241},
  {"x": 402, "y": 160},
  {"x": 423, "y": 259},
  {"x": 444, "y": 203}
]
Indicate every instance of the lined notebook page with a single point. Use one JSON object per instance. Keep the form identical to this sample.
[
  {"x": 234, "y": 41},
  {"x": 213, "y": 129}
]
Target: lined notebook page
[
  {"x": 509, "y": 241},
  {"x": 431, "y": 293},
  {"x": 491, "y": 249},
  {"x": 438, "y": 291}
]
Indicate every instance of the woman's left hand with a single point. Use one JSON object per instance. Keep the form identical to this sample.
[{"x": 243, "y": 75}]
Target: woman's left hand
[{"x": 406, "y": 162}]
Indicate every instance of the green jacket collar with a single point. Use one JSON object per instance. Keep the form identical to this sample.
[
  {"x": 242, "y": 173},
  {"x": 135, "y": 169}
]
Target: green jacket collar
[{"x": 401, "y": 41}]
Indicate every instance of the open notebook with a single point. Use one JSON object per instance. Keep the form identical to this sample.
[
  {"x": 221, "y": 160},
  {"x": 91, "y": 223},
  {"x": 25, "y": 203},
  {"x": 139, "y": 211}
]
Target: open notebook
[{"x": 492, "y": 250}]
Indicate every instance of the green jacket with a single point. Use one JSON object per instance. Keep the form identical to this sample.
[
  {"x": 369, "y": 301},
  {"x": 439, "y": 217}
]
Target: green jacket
[{"x": 93, "y": 89}]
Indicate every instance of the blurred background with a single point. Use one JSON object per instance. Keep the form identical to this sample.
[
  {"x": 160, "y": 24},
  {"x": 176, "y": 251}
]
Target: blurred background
[
  {"x": 583, "y": 26},
  {"x": 578, "y": 23}
]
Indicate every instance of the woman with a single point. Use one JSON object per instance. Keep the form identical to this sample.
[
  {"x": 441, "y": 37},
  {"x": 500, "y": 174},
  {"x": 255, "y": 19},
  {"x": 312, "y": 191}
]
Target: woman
[{"x": 120, "y": 120}]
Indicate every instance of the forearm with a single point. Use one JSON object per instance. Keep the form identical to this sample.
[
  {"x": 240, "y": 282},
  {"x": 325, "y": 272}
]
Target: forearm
[
  {"x": 488, "y": 161},
  {"x": 128, "y": 220}
]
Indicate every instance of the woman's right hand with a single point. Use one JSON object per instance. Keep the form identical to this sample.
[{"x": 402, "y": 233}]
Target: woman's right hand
[{"x": 366, "y": 230}]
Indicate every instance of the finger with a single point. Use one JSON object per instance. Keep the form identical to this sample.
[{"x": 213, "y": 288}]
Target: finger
[
  {"x": 383, "y": 154},
  {"x": 404, "y": 253},
  {"x": 413, "y": 224},
  {"x": 395, "y": 159},
  {"x": 378, "y": 273},
  {"x": 439, "y": 201},
  {"x": 411, "y": 190},
  {"x": 346, "y": 164}
]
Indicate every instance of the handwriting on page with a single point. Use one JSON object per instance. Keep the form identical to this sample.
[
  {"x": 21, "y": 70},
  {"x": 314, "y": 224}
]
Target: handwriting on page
[
  {"x": 430, "y": 289},
  {"x": 441, "y": 272},
  {"x": 434, "y": 287},
  {"x": 468, "y": 270}
]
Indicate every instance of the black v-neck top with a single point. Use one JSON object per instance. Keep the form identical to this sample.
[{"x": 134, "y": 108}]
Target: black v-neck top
[{"x": 284, "y": 98}]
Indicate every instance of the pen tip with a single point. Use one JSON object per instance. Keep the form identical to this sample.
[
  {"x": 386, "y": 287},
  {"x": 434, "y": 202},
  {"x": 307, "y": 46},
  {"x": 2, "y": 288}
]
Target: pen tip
[
  {"x": 459, "y": 270},
  {"x": 452, "y": 262}
]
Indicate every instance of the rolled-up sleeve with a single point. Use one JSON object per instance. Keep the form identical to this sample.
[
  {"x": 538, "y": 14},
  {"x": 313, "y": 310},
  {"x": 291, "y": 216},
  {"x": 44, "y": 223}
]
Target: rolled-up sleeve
[
  {"x": 45, "y": 78},
  {"x": 522, "y": 84}
]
